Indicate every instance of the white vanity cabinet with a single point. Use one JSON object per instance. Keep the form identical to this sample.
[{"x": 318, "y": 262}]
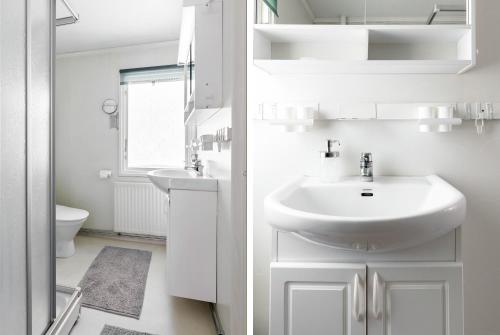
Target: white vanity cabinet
[
  {"x": 191, "y": 245},
  {"x": 192, "y": 232},
  {"x": 312, "y": 298},
  {"x": 383, "y": 264},
  {"x": 415, "y": 299},
  {"x": 373, "y": 299}
]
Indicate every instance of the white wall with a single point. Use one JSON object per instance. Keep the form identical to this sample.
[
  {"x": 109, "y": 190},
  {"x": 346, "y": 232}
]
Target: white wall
[
  {"x": 218, "y": 165},
  {"x": 230, "y": 226},
  {"x": 468, "y": 161},
  {"x": 84, "y": 142}
]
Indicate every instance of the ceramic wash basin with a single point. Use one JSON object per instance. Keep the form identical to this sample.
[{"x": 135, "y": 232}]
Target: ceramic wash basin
[
  {"x": 179, "y": 179},
  {"x": 388, "y": 214}
]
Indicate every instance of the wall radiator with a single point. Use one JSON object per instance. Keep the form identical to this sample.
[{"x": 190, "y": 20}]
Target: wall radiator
[{"x": 140, "y": 208}]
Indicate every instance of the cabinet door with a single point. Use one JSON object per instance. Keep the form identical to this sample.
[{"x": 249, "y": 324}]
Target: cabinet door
[
  {"x": 412, "y": 299},
  {"x": 317, "y": 299},
  {"x": 191, "y": 245}
]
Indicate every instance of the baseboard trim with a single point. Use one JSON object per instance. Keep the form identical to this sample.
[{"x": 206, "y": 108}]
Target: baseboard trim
[{"x": 122, "y": 236}]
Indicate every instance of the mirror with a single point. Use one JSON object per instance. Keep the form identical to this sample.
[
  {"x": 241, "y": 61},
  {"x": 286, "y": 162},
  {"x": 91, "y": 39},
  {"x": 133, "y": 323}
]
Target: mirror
[{"x": 360, "y": 12}]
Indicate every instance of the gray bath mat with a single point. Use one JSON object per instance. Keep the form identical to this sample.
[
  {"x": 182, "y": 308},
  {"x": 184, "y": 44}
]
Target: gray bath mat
[
  {"x": 110, "y": 330},
  {"x": 116, "y": 281}
]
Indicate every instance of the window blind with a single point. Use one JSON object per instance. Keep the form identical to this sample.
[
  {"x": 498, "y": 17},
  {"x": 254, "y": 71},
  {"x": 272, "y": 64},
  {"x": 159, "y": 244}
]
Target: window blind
[{"x": 156, "y": 73}]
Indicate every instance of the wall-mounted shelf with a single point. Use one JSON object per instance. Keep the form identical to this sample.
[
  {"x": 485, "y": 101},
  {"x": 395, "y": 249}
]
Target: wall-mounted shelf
[
  {"x": 278, "y": 114},
  {"x": 344, "y": 49},
  {"x": 437, "y": 122},
  {"x": 307, "y": 66},
  {"x": 293, "y": 123},
  {"x": 291, "y": 117},
  {"x": 293, "y": 126},
  {"x": 294, "y": 33},
  {"x": 463, "y": 111},
  {"x": 440, "y": 125}
]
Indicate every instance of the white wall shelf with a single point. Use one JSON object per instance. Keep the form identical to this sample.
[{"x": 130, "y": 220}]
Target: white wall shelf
[
  {"x": 344, "y": 49},
  {"x": 297, "y": 126},
  {"x": 305, "y": 122},
  {"x": 318, "y": 67},
  {"x": 463, "y": 111},
  {"x": 292, "y": 33},
  {"x": 438, "y": 121}
]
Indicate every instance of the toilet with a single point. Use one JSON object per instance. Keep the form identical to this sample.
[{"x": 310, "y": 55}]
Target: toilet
[{"x": 68, "y": 223}]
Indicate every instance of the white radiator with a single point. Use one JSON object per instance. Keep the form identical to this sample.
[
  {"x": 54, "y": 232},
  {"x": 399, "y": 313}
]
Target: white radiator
[{"x": 140, "y": 208}]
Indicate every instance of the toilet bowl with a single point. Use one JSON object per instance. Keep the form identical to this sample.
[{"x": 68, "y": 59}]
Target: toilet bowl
[{"x": 68, "y": 223}]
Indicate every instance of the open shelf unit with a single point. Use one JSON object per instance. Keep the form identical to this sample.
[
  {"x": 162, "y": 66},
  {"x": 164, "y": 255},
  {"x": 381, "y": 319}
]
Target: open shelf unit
[{"x": 344, "y": 49}]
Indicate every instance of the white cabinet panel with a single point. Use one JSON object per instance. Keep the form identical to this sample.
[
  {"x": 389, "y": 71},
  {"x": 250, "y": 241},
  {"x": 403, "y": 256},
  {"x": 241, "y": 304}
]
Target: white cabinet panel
[
  {"x": 208, "y": 59},
  {"x": 303, "y": 319},
  {"x": 320, "y": 299},
  {"x": 191, "y": 245},
  {"x": 200, "y": 44},
  {"x": 291, "y": 248},
  {"x": 415, "y": 299}
]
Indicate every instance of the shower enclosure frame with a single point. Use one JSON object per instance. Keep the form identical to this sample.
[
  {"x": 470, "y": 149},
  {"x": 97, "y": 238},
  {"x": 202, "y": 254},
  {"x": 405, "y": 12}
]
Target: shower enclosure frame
[
  {"x": 27, "y": 262},
  {"x": 52, "y": 193}
]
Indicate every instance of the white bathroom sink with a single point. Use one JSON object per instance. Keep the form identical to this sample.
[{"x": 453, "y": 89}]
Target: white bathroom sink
[
  {"x": 179, "y": 179},
  {"x": 390, "y": 213}
]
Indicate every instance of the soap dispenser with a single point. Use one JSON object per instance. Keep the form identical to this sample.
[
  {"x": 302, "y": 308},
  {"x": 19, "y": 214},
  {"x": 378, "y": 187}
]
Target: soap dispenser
[{"x": 330, "y": 162}]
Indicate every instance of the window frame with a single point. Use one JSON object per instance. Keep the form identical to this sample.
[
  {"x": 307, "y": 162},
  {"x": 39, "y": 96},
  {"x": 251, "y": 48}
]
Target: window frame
[{"x": 123, "y": 169}]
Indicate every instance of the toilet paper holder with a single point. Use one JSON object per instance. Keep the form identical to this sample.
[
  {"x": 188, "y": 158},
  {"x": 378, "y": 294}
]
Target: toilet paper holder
[{"x": 105, "y": 174}]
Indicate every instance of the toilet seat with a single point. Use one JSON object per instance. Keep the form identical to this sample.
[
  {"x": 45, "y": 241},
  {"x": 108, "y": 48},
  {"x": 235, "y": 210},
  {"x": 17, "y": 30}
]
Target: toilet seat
[{"x": 69, "y": 214}]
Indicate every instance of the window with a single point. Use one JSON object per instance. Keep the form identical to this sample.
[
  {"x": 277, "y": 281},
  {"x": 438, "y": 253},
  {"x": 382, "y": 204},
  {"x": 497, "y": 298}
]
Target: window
[{"x": 152, "y": 119}]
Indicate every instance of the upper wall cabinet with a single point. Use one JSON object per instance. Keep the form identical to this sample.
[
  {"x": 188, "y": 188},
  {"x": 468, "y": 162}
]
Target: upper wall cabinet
[
  {"x": 358, "y": 36},
  {"x": 200, "y": 52}
]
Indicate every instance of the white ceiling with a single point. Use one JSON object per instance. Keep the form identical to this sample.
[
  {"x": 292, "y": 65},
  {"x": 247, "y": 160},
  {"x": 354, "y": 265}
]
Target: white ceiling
[{"x": 116, "y": 23}]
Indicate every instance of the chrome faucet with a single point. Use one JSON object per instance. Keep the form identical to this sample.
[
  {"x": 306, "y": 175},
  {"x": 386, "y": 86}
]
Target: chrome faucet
[
  {"x": 366, "y": 167},
  {"x": 196, "y": 164}
]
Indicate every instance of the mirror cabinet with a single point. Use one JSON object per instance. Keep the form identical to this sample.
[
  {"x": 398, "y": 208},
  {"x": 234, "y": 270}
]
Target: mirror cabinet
[{"x": 364, "y": 36}]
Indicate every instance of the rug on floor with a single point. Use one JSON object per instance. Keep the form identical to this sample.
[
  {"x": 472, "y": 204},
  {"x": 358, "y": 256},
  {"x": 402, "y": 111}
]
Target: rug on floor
[
  {"x": 110, "y": 330},
  {"x": 116, "y": 280}
]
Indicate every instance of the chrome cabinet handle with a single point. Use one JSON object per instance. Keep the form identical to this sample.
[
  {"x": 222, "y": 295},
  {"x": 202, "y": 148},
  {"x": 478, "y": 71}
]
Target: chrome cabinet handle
[
  {"x": 359, "y": 307},
  {"x": 378, "y": 289}
]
